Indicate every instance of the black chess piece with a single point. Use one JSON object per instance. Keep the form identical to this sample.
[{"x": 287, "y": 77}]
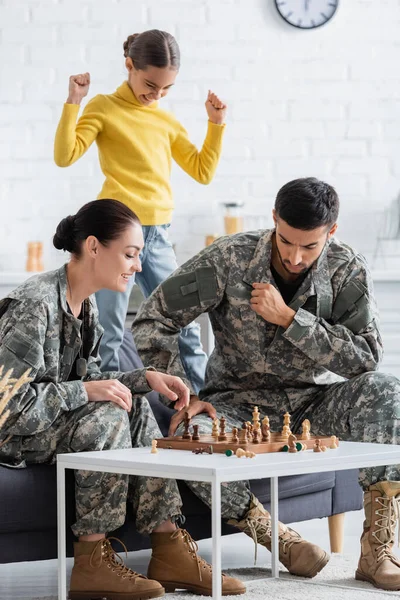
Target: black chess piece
[
  {"x": 186, "y": 433},
  {"x": 195, "y": 436},
  {"x": 222, "y": 433}
]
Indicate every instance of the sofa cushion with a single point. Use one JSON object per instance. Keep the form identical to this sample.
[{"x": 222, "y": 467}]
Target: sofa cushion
[
  {"x": 28, "y": 498},
  {"x": 347, "y": 493},
  {"x": 288, "y": 487},
  {"x": 293, "y": 485},
  {"x": 38, "y": 484},
  {"x": 128, "y": 355}
]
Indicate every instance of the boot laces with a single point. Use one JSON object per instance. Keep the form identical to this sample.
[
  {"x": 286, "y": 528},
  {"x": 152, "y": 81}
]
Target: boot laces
[
  {"x": 193, "y": 548},
  {"x": 259, "y": 529},
  {"x": 388, "y": 514},
  {"x": 112, "y": 559}
]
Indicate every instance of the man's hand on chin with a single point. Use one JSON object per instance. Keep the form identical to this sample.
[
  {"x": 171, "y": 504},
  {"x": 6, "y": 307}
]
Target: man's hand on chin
[{"x": 196, "y": 407}]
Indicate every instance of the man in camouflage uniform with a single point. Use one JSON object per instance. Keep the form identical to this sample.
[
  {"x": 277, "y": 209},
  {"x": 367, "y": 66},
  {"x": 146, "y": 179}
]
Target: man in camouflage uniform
[
  {"x": 52, "y": 414},
  {"x": 295, "y": 324}
]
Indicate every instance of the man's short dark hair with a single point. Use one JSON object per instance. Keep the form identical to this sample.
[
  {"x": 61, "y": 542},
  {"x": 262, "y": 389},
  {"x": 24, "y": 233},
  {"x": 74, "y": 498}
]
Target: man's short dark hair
[{"x": 307, "y": 203}]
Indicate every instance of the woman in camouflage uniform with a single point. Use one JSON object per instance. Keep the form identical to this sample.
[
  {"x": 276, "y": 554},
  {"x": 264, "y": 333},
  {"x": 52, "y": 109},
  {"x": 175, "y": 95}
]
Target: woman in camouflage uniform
[{"x": 50, "y": 326}]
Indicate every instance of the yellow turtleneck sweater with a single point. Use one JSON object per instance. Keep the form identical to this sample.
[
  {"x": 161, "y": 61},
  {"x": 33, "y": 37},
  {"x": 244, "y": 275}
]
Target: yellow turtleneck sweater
[{"x": 136, "y": 144}]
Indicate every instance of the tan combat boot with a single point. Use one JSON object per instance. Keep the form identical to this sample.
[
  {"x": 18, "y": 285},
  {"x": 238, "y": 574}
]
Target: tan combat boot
[
  {"x": 377, "y": 564},
  {"x": 297, "y": 555},
  {"x": 176, "y": 565},
  {"x": 99, "y": 572}
]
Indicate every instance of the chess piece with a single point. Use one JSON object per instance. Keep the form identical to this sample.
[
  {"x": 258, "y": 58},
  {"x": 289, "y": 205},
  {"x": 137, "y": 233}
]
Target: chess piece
[
  {"x": 235, "y": 437},
  {"x": 305, "y": 429},
  {"x": 250, "y": 454},
  {"x": 215, "y": 428},
  {"x": 317, "y": 447},
  {"x": 243, "y": 434},
  {"x": 249, "y": 427},
  {"x": 292, "y": 443},
  {"x": 256, "y": 416},
  {"x": 195, "y": 436},
  {"x": 256, "y": 433},
  {"x": 240, "y": 452},
  {"x": 286, "y": 423},
  {"x": 186, "y": 433},
  {"x": 286, "y": 432},
  {"x": 300, "y": 446},
  {"x": 334, "y": 443},
  {"x": 208, "y": 450},
  {"x": 222, "y": 433},
  {"x": 265, "y": 430},
  {"x": 154, "y": 447}
]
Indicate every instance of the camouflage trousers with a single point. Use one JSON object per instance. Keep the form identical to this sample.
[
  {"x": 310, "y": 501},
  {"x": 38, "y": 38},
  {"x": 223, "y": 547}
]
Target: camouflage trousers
[
  {"x": 363, "y": 409},
  {"x": 101, "y": 497}
]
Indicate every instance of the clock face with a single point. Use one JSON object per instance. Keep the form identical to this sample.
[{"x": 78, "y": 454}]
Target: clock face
[{"x": 307, "y": 14}]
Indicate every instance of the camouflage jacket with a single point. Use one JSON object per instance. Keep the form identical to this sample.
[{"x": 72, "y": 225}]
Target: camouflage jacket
[
  {"x": 334, "y": 335},
  {"x": 38, "y": 332}
]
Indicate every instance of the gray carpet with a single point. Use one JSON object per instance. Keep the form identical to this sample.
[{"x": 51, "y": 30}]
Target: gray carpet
[{"x": 335, "y": 582}]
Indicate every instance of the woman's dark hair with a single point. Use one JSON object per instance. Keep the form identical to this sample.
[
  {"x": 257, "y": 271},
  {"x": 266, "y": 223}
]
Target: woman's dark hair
[
  {"x": 153, "y": 48},
  {"x": 307, "y": 203},
  {"x": 105, "y": 219}
]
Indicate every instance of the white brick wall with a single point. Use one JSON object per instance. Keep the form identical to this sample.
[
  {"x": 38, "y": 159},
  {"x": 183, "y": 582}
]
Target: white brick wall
[{"x": 323, "y": 103}]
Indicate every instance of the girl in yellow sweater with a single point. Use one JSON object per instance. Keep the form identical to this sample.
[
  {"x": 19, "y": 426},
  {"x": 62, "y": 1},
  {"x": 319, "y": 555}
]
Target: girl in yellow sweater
[{"x": 136, "y": 142}]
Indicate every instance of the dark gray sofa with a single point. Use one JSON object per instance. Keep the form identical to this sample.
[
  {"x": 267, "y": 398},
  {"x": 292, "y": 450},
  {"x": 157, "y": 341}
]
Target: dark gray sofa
[{"x": 28, "y": 503}]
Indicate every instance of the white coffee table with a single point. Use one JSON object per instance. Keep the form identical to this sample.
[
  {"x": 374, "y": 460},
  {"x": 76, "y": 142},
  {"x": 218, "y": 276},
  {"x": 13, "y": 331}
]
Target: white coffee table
[{"x": 215, "y": 469}]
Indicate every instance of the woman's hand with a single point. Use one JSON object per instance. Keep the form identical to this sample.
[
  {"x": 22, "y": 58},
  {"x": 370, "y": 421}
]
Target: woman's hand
[
  {"x": 196, "y": 407},
  {"x": 109, "y": 390},
  {"x": 78, "y": 88},
  {"x": 216, "y": 109},
  {"x": 169, "y": 386}
]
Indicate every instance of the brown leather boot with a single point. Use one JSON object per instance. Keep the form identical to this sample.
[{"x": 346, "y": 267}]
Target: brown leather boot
[
  {"x": 176, "y": 565},
  {"x": 297, "y": 555},
  {"x": 377, "y": 564},
  {"x": 99, "y": 572}
]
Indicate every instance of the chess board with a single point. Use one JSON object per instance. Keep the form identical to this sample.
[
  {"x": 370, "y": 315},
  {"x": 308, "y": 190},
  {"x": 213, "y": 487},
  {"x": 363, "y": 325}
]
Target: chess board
[{"x": 277, "y": 443}]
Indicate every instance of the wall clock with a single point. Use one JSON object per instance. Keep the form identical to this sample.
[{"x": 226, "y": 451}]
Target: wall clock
[{"x": 306, "y": 14}]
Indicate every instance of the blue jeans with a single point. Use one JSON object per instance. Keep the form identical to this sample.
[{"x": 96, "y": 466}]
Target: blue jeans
[{"x": 158, "y": 262}]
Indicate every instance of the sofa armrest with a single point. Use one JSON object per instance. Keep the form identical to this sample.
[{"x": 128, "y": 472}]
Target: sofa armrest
[{"x": 347, "y": 493}]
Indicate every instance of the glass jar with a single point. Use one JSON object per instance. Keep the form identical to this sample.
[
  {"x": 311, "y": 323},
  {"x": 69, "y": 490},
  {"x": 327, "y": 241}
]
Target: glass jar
[{"x": 233, "y": 218}]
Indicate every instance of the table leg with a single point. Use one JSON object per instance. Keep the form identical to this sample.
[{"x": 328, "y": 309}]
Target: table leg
[
  {"x": 274, "y": 527},
  {"x": 216, "y": 539},
  {"x": 62, "y": 567}
]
